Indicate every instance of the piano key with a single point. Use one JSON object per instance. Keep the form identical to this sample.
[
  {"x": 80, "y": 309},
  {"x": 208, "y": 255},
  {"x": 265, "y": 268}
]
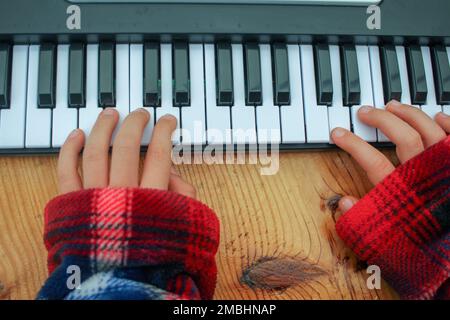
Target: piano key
[
  {"x": 359, "y": 128},
  {"x": 167, "y": 106},
  {"x": 316, "y": 116},
  {"x": 403, "y": 70},
  {"x": 152, "y": 75},
  {"x": 137, "y": 88},
  {"x": 224, "y": 75},
  {"x": 122, "y": 82},
  {"x": 253, "y": 90},
  {"x": 416, "y": 72},
  {"x": 280, "y": 67},
  {"x": 64, "y": 119},
  {"x": 291, "y": 116},
  {"x": 38, "y": 120},
  {"x": 12, "y": 120},
  {"x": 46, "y": 77},
  {"x": 77, "y": 76},
  {"x": 5, "y": 75},
  {"x": 267, "y": 115},
  {"x": 193, "y": 118},
  {"x": 242, "y": 116},
  {"x": 218, "y": 117},
  {"x": 350, "y": 78},
  {"x": 324, "y": 82},
  {"x": 338, "y": 114},
  {"x": 378, "y": 83},
  {"x": 107, "y": 75},
  {"x": 89, "y": 114},
  {"x": 391, "y": 74},
  {"x": 431, "y": 106},
  {"x": 181, "y": 87},
  {"x": 441, "y": 70}
]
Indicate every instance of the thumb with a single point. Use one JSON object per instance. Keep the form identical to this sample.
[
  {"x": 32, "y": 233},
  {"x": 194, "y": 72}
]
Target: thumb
[{"x": 346, "y": 203}]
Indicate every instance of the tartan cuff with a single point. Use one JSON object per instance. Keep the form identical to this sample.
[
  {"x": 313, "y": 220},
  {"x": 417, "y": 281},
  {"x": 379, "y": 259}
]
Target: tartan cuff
[
  {"x": 134, "y": 227},
  {"x": 403, "y": 224}
]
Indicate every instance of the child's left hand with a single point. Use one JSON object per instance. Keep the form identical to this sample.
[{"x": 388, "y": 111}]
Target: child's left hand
[{"x": 123, "y": 171}]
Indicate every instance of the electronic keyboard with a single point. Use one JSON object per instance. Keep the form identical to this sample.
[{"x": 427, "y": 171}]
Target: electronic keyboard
[{"x": 234, "y": 73}]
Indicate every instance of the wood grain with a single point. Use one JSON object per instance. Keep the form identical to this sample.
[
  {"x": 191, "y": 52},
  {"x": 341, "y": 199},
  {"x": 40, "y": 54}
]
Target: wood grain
[{"x": 277, "y": 232}]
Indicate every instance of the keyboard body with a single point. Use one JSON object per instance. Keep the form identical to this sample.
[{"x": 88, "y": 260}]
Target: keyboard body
[{"x": 286, "y": 72}]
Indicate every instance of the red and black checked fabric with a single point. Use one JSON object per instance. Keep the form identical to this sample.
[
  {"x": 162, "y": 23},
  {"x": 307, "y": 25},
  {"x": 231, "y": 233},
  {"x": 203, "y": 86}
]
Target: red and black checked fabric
[
  {"x": 120, "y": 227},
  {"x": 403, "y": 226}
]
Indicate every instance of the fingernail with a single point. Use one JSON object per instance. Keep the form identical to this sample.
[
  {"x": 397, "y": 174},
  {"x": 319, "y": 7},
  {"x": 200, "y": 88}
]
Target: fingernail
[
  {"x": 169, "y": 117},
  {"x": 108, "y": 112},
  {"x": 365, "y": 109},
  {"x": 141, "y": 110},
  {"x": 394, "y": 103},
  {"x": 74, "y": 133},
  {"x": 338, "y": 132},
  {"x": 442, "y": 115},
  {"x": 346, "y": 204}
]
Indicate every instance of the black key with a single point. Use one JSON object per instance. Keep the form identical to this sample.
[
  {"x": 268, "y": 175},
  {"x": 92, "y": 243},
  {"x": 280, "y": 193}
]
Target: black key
[
  {"x": 107, "y": 75},
  {"x": 181, "y": 77},
  {"x": 77, "y": 76},
  {"x": 416, "y": 74},
  {"x": 5, "y": 75},
  {"x": 441, "y": 71},
  {"x": 351, "y": 87},
  {"x": 152, "y": 75},
  {"x": 324, "y": 81},
  {"x": 47, "y": 76},
  {"x": 390, "y": 73},
  {"x": 252, "y": 73},
  {"x": 280, "y": 71},
  {"x": 224, "y": 75}
]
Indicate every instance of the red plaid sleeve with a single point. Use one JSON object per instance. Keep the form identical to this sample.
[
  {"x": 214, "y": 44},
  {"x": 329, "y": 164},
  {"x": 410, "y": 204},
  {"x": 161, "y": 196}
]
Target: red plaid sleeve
[
  {"x": 134, "y": 227},
  {"x": 403, "y": 224}
]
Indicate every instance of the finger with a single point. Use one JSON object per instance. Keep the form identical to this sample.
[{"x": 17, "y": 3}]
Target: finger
[
  {"x": 443, "y": 121},
  {"x": 178, "y": 185},
  {"x": 68, "y": 178},
  {"x": 158, "y": 160},
  {"x": 376, "y": 165},
  {"x": 407, "y": 140},
  {"x": 429, "y": 130},
  {"x": 96, "y": 152},
  {"x": 346, "y": 203},
  {"x": 126, "y": 150}
]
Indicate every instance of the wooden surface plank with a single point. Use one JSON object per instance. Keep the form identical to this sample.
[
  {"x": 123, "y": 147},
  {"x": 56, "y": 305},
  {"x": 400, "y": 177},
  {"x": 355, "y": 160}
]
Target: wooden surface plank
[{"x": 277, "y": 232}]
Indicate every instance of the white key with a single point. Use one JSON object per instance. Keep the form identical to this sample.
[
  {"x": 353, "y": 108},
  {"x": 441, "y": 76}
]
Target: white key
[
  {"x": 446, "y": 108},
  {"x": 316, "y": 117},
  {"x": 404, "y": 80},
  {"x": 39, "y": 121},
  {"x": 193, "y": 116},
  {"x": 292, "y": 117},
  {"x": 267, "y": 115},
  {"x": 431, "y": 108},
  {"x": 137, "y": 88},
  {"x": 359, "y": 128},
  {"x": 166, "y": 90},
  {"x": 12, "y": 120},
  {"x": 243, "y": 116},
  {"x": 89, "y": 114},
  {"x": 218, "y": 117},
  {"x": 377, "y": 84},
  {"x": 338, "y": 114},
  {"x": 122, "y": 82},
  {"x": 64, "y": 118}
]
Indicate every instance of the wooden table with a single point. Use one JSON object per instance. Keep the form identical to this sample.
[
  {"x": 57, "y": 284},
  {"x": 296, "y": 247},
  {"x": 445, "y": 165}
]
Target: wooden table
[{"x": 277, "y": 232}]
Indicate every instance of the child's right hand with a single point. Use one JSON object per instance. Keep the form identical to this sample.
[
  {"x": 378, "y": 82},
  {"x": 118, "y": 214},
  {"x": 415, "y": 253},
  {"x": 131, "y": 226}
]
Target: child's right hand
[
  {"x": 409, "y": 128},
  {"x": 158, "y": 172}
]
